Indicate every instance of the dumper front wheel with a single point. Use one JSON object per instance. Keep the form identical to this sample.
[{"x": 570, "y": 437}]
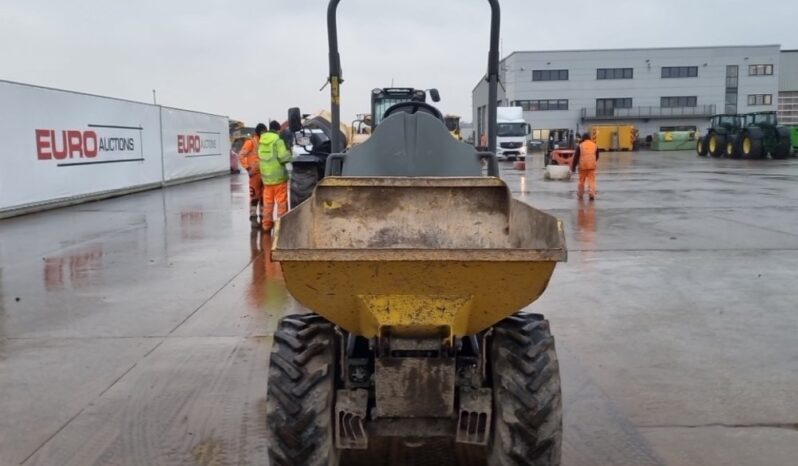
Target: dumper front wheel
[
  {"x": 301, "y": 393},
  {"x": 527, "y": 400},
  {"x": 304, "y": 179}
]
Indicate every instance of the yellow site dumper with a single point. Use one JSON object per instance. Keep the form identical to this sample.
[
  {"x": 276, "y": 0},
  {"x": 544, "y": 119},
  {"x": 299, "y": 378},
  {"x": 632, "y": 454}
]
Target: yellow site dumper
[
  {"x": 614, "y": 137},
  {"x": 414, "y": 263}
]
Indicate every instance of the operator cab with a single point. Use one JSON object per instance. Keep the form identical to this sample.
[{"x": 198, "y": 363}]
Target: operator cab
[
  {"x": 728, "y": 121},
  {"x": 390, "y": 100},
  {"x": 760, "y": 118}
]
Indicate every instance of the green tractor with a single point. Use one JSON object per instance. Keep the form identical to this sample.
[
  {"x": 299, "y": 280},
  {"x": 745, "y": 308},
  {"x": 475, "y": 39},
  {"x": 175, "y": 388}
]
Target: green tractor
[
  {"x": 714, "y": 143},
  {"x": 759, "y": 136}
]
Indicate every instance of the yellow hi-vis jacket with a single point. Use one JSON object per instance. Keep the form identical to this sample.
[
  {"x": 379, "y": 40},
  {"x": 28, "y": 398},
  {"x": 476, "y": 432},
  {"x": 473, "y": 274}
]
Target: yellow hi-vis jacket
[{"x": 273, "y": 155}]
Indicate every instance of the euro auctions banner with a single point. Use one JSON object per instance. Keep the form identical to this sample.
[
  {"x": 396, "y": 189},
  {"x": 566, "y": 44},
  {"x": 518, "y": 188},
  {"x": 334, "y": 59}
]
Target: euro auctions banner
[
  {"x": 96, "y": 144},
  {"x": 58, "y": 145},
  {"x": 194, "y": 144}
]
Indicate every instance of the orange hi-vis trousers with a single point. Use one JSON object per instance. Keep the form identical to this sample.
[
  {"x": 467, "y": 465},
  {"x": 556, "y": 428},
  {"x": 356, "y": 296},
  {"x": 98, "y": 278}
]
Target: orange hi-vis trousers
[
  {"x": 255, "y": 194},
  {"x": 588, "y": 176},
  {"x": 274, "y": 194}
]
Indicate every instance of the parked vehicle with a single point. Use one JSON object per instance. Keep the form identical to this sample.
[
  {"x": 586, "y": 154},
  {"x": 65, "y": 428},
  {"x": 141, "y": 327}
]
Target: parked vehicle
[{"x": 511, "y": 133}]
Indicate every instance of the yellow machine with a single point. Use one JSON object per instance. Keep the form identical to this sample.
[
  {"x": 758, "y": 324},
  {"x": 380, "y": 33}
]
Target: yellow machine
[
  {"x": 360, "y": 130},
  {"x": 415, "y": 266},
  {"x": 614, "y": 137},
  {"x": 239, "y": 132},
  {"x": 453, "y": 125},
  {"x": 402, "y": 282}
]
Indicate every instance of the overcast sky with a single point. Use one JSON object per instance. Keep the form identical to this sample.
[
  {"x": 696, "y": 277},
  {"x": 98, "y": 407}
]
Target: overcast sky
[{"x": 252, "y": 60}]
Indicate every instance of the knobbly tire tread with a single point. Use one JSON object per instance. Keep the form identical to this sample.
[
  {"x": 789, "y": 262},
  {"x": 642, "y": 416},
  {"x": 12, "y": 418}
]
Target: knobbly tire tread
[
  {"x": 301, "y": 393},
  {"x": 527, "y": 427},
  {"x": 303, "y": 182}
]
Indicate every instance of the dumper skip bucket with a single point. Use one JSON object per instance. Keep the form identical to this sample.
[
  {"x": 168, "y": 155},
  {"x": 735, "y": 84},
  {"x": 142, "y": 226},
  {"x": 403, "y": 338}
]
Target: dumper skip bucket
[{"x": 416, "y": 254}]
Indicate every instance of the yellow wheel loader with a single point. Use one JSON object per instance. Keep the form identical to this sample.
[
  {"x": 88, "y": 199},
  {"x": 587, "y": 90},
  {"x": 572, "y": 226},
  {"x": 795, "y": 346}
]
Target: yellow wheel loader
[{"x": 414, "y": 260}]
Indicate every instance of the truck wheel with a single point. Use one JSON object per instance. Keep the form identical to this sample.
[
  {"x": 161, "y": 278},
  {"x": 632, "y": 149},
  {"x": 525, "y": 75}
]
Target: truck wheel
[
  {"x": 701, "y": 147},
  {"x": 303, "y": 182},
  {"x": 527, "y": 411},
  {"x": 301, "y": 393},
  {"x": 751, "y": 147},
  {"x": 783, "y": 148},
  {"x": 716, "y": 145}
]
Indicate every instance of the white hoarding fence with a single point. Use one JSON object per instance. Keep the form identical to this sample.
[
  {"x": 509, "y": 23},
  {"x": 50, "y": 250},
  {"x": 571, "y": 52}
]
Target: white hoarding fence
[
  {"x": 194, "y": 144},
  {"x": 60, "y": 146}
]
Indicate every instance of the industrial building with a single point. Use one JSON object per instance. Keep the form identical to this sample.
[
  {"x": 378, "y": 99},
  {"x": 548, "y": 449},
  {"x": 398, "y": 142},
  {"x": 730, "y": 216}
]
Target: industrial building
[
  {"x": 788, "y": 88},
  {"x": 655, "y": 89}
]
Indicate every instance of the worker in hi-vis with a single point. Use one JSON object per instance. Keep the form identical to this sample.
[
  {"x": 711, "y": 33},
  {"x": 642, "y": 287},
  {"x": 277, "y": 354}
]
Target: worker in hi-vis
[
  {"x": 274, "y": 155},
  {"x": 586, "y": 159},
  {"x": 248, "y": 158}
]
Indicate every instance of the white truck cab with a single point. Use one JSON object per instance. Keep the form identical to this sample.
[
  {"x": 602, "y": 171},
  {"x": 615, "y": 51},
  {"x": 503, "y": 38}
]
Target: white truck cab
[{"x": 512, "y": 133}]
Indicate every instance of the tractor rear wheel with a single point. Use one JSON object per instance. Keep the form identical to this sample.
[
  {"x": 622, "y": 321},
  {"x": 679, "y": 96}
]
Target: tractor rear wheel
[
  {"x": 301, "y": 393},
  {"x": 701, "y": 146},
  {"x": 716, "y": 144},
  {"x": 751, "y": 147},
  {"x": 783, "y": 148},
  {"x": 527, "y": 412}
]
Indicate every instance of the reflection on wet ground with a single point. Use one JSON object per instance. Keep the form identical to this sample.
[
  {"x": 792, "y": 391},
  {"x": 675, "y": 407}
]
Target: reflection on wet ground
[
  {"x": 137, "y": 330},
  {"x": 585, "y": 231},
  {"x": 266, "y": 288}
]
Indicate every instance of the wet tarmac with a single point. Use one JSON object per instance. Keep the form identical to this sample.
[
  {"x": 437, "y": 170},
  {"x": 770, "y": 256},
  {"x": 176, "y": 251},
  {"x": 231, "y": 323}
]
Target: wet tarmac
[{"x": 136, "y": 331}]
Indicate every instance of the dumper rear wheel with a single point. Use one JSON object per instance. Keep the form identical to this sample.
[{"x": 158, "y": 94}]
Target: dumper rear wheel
[
  {"x": 301, "y": 393},
  {"x": 526, "y": 393}
]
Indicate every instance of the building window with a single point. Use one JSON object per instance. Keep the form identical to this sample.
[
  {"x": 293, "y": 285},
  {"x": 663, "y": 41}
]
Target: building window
[
  {"x": 732, "y": 81},
  {"x": 760, "y": 70},
  {"x": 679, "y": 71},
  {"x": 788, "y": 108},
  {"x": 606, "y": 107},
  {"x": 481, "y": 126},
  {"x": 542, "y": 105},
  {"x": 550, "y": 75},
  {"x": 614, "y": 73},
  {"x": 760, "y": 99},
  {"x": 680, "y": 101}
]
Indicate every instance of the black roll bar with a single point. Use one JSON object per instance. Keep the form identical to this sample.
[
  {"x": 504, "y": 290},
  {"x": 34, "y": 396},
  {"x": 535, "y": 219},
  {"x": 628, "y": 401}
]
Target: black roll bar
[{"x": 335, "y": 78}]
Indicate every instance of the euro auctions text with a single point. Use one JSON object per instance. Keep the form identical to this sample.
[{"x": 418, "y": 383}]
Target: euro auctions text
[
  {"x": 70, "y": 144},
  {"x": 195, "y": 144}
]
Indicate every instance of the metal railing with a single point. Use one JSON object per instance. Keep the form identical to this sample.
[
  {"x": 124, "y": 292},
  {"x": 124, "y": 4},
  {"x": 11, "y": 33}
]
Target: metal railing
[{"x": 648, "y": 112}]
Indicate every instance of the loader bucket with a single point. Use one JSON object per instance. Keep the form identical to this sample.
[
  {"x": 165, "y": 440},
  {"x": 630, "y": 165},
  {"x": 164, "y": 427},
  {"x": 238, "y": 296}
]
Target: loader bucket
[{"x": 416, "y": 255}]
